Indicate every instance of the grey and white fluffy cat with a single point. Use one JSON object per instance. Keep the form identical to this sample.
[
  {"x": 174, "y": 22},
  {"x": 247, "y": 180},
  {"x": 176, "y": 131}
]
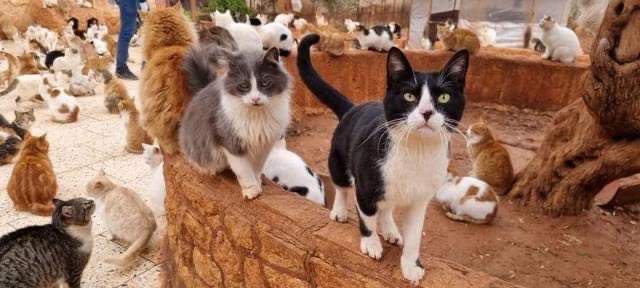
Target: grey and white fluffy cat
[
  {"x": 52, "y": 255},
  {"x": 240, "y": 108},
  {"x": 126, "y": 216}
]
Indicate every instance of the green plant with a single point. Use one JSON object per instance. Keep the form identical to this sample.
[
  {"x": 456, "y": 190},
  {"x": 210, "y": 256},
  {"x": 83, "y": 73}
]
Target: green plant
[{"x": 237, "y": 7}]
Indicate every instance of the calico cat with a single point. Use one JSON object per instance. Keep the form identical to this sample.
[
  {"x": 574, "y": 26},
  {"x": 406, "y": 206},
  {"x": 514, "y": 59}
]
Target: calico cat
[
  {"x": 235, "y": 118},
  {"x": 456, "y": 39},
  {"x": 153, "y": 157},
  {"x": 468, "y": 199},
  {"x": 63, "y": 108},
  {"x": 288, "y": 170},
  {"x": 395, "y": 29},
  {"x": 126, "y": 216},
  {"x": 136, "y": 136},
  {"x": 114, "y": 92},
  {"x": 168, "y": 35},
  {"x": 377, "y": 38},
  {"x": 396, "y": 150},
  {"x": 491, "y": 161},
  {"x": 33, "y": 183},
  {"x": 52, "y": 255},
  {"x": 562, "y": 44}
]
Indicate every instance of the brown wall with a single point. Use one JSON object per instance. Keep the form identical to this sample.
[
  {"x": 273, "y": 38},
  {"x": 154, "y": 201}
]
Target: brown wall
[
  {"x": 505, "y": 76},
  {"x": 217, "y": 239}
]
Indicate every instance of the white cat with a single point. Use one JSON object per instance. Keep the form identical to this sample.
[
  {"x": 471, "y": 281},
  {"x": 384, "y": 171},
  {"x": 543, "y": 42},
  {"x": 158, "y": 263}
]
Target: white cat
[
  {"x": 299, "y": 23},
  {"x": 284, "y": 19},
  {"x": 50, "y": 3},
  {"x": 426, "y": 44},
  {"x": 468, "y": 199},
  {"x": 378, "y": 38},
  {"x": 126, "y": 216},
  {"x": 222, "y": 19},
  {"x": 153, "y": 157},
  {"x": 245, "y": 36},
  {"x": 83, "y": 85},
  {"x": 351, "y": 25},
  {"x": 276, "y": 35},
  {"x": 66, "y": 63},
  {"x": 487, "y": 36},
  {"x": 62, "y": 107},
  {"x": 27, "y": 91},
  {"x": 289, "y": 171},
  {"x": 561, "y": 43}
]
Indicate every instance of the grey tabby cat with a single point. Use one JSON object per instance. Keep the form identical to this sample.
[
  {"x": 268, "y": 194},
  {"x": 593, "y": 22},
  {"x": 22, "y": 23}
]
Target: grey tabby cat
[
  {"x": 50, "y": 255},
  {"x": 12, "y": 134},
  {"x": 240, "y": 108}
]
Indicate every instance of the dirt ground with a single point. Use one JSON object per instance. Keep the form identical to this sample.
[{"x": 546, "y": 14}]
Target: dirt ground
[{"x": 522, "y": 246}]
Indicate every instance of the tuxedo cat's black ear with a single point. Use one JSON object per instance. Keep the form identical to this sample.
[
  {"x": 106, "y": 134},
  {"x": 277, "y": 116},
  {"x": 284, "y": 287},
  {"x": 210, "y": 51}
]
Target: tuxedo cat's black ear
[
  {"x": 398, "y": 67},
  {"x": 456, "y": 68},
  {"x": 272, "y": 56}
]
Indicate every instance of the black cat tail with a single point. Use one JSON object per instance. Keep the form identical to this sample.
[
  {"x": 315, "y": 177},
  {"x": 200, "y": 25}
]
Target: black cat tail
[{"x": 328, "y": 95}]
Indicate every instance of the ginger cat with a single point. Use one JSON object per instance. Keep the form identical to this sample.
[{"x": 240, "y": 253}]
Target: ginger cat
[
  {"x": 28, "y": 63},
  {"x": 8, "y": 69},
  {"x": 135, "y": 134},
  {"x": 330, "y": 42},
  {"x": 456, "y": 39},
  {"x": 33, "y": 185},
  {"x": 114, "y": 92},
  {"x": 491, "y": 161}
]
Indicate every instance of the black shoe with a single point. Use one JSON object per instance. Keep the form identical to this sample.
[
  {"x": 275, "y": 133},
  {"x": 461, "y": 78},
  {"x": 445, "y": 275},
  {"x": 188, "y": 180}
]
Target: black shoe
[{"x": 125, "y": 73}]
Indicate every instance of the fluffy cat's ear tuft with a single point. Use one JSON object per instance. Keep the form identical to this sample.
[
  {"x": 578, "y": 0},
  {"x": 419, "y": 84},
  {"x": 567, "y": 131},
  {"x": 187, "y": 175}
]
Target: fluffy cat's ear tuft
[
  {"x": 456, "y": 68},
  {"x": 272, "y": 56},
  {"x": 398, "y": 67}
]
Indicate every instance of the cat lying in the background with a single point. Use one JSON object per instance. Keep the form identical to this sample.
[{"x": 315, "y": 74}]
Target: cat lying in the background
[
  {"x": 377, "y": 38},
  {"x": 288, "y": 170},
  {"x": 468, "y": 199},
  {"x": 62, "y": 107}
]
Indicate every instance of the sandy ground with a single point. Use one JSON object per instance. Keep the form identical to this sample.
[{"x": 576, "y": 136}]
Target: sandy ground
[{"x": 78, "y": 151}]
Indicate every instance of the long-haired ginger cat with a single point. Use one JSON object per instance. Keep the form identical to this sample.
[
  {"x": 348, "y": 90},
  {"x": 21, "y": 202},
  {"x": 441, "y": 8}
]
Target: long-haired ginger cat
[
  {"x": 33, "y": 185},
  {"x": 491, "y": 161},
  {"x": 456, "y": 39},
  {"x": 135, "y": 134}
]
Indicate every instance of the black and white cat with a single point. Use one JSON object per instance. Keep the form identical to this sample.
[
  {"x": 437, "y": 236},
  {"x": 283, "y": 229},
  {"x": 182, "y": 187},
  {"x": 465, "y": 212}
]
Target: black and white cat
[
  {"x": 235, "y": 118},
  {"x": 378, "y": 38},
  {"x": 395, "y": 150}
]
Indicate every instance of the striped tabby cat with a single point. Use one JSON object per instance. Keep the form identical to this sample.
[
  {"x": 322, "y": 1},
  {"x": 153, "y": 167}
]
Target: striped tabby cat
[
  {"x": 33, "y": 185},
  {"x": 52, "y": 255}
]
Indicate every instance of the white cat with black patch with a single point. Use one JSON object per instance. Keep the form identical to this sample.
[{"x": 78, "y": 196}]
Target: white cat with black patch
[
  {"x": 289, "y": 171},
  {"x": 239, "y": 110},
  {"x": 395, "y": 150},
  {"x": 276, "y": 35},
  {"x": 561, "y": 43},
  {"x": 377, "y": 38}
]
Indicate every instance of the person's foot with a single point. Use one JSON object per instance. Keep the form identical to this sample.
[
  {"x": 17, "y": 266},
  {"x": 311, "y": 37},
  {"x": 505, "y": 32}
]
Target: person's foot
[{"x": 125, "y": 73}]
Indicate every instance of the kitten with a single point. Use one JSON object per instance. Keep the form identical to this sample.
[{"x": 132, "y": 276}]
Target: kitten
[
  {"x": 8, "y": 70},
  {"x": 62, "y": 107},
  {"x": 126, "y": 216},
  {"x": 456, "y": 39},
  {"x": 276, "y": 35},
  {"x": 222, "y": 19},
  {"x": 168, "y": 35},
  {"x": 288, "y": 170},
  {"x": 114, "y": 92},
  {"x": 28, "y": 63},
  {"x": 561, "y": 43},
  {"x": 238, "y": 117},
  {"x": 487, "y": 36},
  {"x": 377, "y": 38},
  {"x": 491, "y": 161},
  {"x": 284, "y": 19},
  {"x": 153, "y": 157},
  {"x": 396, "y": 150},
  {"x": 50, "y": 255},
  {"x": 468, "y": 199},
  {"x": 136, "y": 136},
  {"x": 217, "y": 36},
  {"x": 33, "y": 183}
]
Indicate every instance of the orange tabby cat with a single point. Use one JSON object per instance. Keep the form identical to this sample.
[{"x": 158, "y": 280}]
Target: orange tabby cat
[
  {"x": 135, "y": 134},
  {"x": 331, "y": 42},
  {"x": 458, "y": 38},
  {"x": 28, "y": 64},
  {"x": 491, "y": 161},
  {"x": 33, "y": 185}
]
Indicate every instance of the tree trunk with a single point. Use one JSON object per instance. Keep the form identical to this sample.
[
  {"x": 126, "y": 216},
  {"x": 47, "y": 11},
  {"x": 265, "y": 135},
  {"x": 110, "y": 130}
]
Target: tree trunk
[{"x": 596, "y": 139}]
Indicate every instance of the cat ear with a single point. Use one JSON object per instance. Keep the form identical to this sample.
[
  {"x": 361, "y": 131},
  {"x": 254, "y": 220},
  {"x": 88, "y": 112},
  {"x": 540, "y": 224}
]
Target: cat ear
[
  {"x": 102, "y": 173},
  {"x": 272, "y": 56},
  {"x": 398, "y": 67},
  {"x": 456, "y": 68},
  {"x": 156, "y": 150},
  {"x": 57, "y": 202},
  {"x": 146, "y": 146},
  {"x": 67, "y": 211},
  {"x": 44, "y": 136}
]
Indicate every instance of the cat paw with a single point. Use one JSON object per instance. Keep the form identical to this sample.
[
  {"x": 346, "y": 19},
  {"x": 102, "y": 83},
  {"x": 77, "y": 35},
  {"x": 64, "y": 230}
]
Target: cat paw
[
  {"x": 412, "y": 270},
  {"x": 251, "y": 192},
  {"x": 338, "y": 215},
  {"x": 392, "y": 238},
  {"x": 371, "y": 246}
]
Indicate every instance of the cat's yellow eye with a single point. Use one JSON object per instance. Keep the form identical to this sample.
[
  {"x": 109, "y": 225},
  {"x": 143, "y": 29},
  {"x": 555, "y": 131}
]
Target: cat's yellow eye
[
  {"x": 409, "y": 97},
  {"x": 443, "y": 98}
]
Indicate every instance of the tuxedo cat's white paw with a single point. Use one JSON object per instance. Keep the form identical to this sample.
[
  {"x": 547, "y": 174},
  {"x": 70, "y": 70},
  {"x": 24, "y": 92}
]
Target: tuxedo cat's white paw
[
  {"x": 338, "y": 215},
  {"x": 251, "y": 192},
  {"x": 393, "y": 237},
  {"x": 412, "y": 270},
  {"x": 371, "y": 246}
]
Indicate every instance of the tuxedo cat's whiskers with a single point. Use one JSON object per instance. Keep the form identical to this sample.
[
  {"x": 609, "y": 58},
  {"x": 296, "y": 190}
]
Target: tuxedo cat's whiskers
[
  {"x": 456, "y": 130},
  {"x": 387, "y": 125}
]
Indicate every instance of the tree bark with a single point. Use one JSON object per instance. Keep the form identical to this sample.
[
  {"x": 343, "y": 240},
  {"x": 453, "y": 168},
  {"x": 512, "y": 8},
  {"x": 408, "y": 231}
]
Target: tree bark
[{"x": 596, "y": 139}]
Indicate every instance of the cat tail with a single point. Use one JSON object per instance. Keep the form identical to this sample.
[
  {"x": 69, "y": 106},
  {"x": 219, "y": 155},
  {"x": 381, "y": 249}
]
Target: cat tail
[
  {"x": 11, "y": 87},
  {"x": 197, "y": 66},
  {"x": 125, "y": 259},
  {"x": 42, "y": 209},
  {"x": 328, "y": 95}
]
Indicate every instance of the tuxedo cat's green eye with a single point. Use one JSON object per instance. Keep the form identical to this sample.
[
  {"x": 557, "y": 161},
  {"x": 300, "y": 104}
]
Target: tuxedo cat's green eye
[
  {"x": 409, "y": 97},
  {"x": 444, "y": 98}
]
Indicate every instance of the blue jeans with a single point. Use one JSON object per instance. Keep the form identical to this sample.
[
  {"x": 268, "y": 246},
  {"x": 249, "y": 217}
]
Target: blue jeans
[{"x": 128, "y": 14}]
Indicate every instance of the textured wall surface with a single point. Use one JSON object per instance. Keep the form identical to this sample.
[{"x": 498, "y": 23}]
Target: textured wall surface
[{"x": 217, "y": 239}]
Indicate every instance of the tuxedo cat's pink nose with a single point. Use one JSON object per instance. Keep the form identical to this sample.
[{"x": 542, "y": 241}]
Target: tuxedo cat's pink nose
[
  {"x": 255, "y": 99},
  {"x": 427, "y": 114}
]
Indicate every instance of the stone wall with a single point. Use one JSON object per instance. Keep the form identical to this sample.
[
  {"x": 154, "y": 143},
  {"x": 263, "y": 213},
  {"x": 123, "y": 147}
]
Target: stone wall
[
  {"x": 515, "y": 77},
  {"x": 217, "y": 239}
]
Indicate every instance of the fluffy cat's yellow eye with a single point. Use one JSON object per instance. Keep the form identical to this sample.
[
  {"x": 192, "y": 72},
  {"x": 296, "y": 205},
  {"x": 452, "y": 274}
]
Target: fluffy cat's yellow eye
[
  {"x": 409, "y": 97},
  {"x": 444, "y": 98}
]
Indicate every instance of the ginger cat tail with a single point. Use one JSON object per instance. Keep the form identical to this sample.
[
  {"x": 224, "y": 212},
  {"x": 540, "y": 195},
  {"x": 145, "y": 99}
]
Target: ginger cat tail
[
  {"x": 33, "y": 184},
  {"x": 491, "y": 161}
]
